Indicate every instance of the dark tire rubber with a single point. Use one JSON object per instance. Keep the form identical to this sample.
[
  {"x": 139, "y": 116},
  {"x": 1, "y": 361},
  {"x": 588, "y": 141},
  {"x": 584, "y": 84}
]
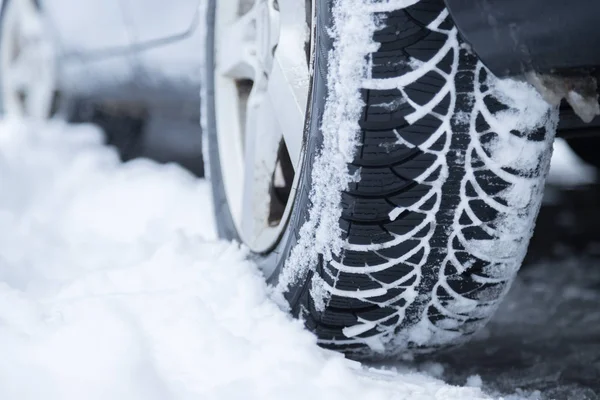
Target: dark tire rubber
[{"x": 437, "y": 221}]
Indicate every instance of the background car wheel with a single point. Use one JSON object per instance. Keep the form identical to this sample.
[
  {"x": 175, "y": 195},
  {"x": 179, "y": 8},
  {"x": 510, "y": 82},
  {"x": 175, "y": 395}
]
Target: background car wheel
[
  {"x": 30, "y": 88},
  {"x": 28, "y": 61},
  {"x": 410, "y": 239}
]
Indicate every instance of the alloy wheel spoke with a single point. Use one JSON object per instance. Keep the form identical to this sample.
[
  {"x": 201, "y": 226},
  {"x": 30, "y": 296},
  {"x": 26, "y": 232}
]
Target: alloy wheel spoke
[
  {"x": 19, "y": 74},
  {"x": 237, "y": 56},
  {"x": 289, "y": 104},
  {"x": 289, "y": 80},
  {"x": 263, "y": 137},
  {"x": 31, "y": 23},
  {"x": 28, "y": 62}
]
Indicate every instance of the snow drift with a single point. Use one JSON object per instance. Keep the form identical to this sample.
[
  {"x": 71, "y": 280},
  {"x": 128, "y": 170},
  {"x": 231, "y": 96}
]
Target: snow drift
[{"x": 113, "y": 286}]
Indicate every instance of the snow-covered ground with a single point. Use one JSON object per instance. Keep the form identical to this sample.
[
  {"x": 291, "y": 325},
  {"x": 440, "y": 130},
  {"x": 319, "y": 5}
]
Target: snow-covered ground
[
  {"x": 567, "y": 169},
  {"x": 113, "y": 286}
]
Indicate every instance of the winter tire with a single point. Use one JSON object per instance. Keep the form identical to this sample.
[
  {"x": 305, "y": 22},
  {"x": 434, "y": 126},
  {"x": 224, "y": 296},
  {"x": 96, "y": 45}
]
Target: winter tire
[{"x": 396, "y": 179}]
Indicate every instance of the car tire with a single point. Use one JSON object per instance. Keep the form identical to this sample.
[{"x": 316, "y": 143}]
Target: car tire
[{"x": 438, "y": 199}]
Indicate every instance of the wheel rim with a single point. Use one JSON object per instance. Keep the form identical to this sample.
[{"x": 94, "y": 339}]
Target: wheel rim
[
  {"x": 28, "y": 62},
  {"x": 262, "y": 80}
]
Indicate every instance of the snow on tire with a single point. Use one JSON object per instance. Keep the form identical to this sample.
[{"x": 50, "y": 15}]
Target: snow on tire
[{"x": 421, "y": 181}]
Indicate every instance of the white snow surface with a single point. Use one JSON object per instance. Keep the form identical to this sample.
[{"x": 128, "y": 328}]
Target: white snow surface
[{"x": 113, "y": 286}]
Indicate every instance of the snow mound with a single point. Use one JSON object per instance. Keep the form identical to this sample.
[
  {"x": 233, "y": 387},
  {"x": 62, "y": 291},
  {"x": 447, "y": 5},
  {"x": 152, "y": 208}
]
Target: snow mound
[{"x": 113, "y": 286}]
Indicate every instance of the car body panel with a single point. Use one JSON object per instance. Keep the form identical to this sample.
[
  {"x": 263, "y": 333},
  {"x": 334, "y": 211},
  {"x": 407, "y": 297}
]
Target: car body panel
[
  {"x": 158, "y": 19},
  {"x": 83, "y": 27},
  {"x": 80, "y": 76},
  {"x": 166, "y": 75},
  {"x": 134, "y": 49},
  {"x": 160, "y": 71},
  {"x": 109, "y": 28},
  {"x": 516, "y": 36}
]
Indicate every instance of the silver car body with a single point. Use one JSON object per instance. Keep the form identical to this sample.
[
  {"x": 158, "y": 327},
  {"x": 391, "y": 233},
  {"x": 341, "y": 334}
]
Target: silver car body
[{"x": 127, "y": 50}]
